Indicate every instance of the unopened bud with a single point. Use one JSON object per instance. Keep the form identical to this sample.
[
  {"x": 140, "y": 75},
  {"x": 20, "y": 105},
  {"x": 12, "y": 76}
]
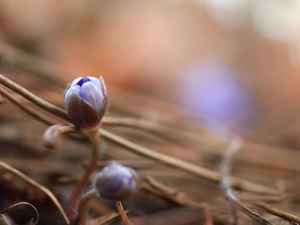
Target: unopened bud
[
  {"x": 116, "y": 182},
  {"x": 86, "y": 101}
]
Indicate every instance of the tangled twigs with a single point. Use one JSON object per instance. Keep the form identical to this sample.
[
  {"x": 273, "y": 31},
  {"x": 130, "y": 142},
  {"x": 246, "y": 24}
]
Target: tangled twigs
[
  {"x": 22, "y": 204},
  {"x": 34, "y": 183}
]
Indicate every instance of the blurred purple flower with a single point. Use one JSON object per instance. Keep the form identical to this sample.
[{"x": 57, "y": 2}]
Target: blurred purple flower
[
  {"x": 116, "y": 182},
  {"x": 214, "y": 89}
]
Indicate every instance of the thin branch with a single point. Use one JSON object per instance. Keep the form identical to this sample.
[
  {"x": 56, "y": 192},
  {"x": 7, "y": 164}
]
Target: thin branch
[
  {"x": 122, "y": 213},
  {"x": 37, "y": 185},
  {"x": 35, "y": 114},
  {"x": 33, "y": 98},
  {"x": 277, "y": 212},
  {"x": 24, "y": 203},
  {"x": 204, "y": 173},
  {"x": 225, "y": 168},
  {"x": 191, "y": 168}
]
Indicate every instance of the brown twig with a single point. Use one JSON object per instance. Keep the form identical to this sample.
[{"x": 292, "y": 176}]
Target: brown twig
[
  {"x": 188, "y": 167},
  {"x": 207, "y": 216},
  {"x": 33, "y": 98},
  {"x": 122, "y": 213},
  {"x": 24, "y": 203},
  {"x": 37, "y": 185},
  {"x": 277, "y": 212},
  {"x": 155, "y": 187},
  {"x": 194, "y": 169},
  {"x": 225, "y": 167},
  {"x": 35, "y": 114}
]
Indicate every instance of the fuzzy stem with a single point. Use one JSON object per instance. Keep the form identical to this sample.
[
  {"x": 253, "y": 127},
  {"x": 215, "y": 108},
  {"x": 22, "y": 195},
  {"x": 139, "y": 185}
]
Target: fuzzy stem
[
  {"x": 122, "y": 213},
  {"x": 83, "y": 203},
  {"x": 95, "y": 139}
]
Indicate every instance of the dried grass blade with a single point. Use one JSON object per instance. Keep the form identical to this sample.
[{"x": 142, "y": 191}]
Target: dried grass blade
[{"x": 37, "y": 185}]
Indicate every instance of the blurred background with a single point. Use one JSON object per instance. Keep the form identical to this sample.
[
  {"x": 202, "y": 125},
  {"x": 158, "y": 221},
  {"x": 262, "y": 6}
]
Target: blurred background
[
  {"x": 233, "y": 61},
  {"x": 236, "y": 61}
]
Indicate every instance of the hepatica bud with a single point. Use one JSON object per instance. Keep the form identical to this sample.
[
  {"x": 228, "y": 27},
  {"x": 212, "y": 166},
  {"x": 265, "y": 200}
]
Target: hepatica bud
[
  {"x": 86, "y": 101},
  {"x": 116, "y": 182}
]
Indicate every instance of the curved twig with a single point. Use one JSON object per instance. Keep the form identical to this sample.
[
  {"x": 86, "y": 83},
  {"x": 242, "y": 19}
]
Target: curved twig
[
  {"x": 37, "y": 185},
  {"x": 24, "y": 203},
  {"x": 225, "y": 168}
]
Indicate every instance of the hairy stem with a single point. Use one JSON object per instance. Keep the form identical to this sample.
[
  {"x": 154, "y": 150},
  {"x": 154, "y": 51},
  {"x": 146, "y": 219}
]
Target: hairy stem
[
  {"x": 83, "y": 203},
  {"x": 95, "y": 139}
]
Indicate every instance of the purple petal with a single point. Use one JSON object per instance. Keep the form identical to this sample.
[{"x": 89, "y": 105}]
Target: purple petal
[
  {"x": 96, "y": 81},
  {"x": 82, "y": 81},
  {"x": 74, "y": 82},
  {"x": 91, "y": 93}
]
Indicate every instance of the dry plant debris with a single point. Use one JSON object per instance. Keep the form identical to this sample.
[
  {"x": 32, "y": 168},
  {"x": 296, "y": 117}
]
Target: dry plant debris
[{"x": 199, "y": 200}]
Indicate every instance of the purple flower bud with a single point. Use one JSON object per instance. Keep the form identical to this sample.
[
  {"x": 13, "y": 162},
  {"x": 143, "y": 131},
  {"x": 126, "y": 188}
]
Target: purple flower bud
[
  {"x": 116, "y": 182},
  {"x": 86, "y": 101}
]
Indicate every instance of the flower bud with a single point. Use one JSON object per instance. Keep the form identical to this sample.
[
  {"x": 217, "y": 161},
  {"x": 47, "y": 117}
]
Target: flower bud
[
  {"x": 116, "y": 182},
  {"x": 86, "y": 101}
]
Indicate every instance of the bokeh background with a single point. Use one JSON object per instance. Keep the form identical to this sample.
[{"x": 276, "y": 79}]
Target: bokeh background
[{"x": 237, "y": 61}]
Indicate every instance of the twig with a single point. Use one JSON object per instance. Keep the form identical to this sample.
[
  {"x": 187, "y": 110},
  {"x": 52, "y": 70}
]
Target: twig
[
  {"x": 188, "y": 167},
  {"x": 35, "y": 114},
  {"x": 24, "y": 203},
  {"x": 207, "y": 216},
  {"x": 155, "y": 187},
  {"x": 37, "y": 185},
  {"x": 194, "y": 169},
  {"x": 225, "y": 167},
  {"x": 122, "y": 213},
  {"x": 277, "y": 212},
  {"x": 33, "y": 98}
]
